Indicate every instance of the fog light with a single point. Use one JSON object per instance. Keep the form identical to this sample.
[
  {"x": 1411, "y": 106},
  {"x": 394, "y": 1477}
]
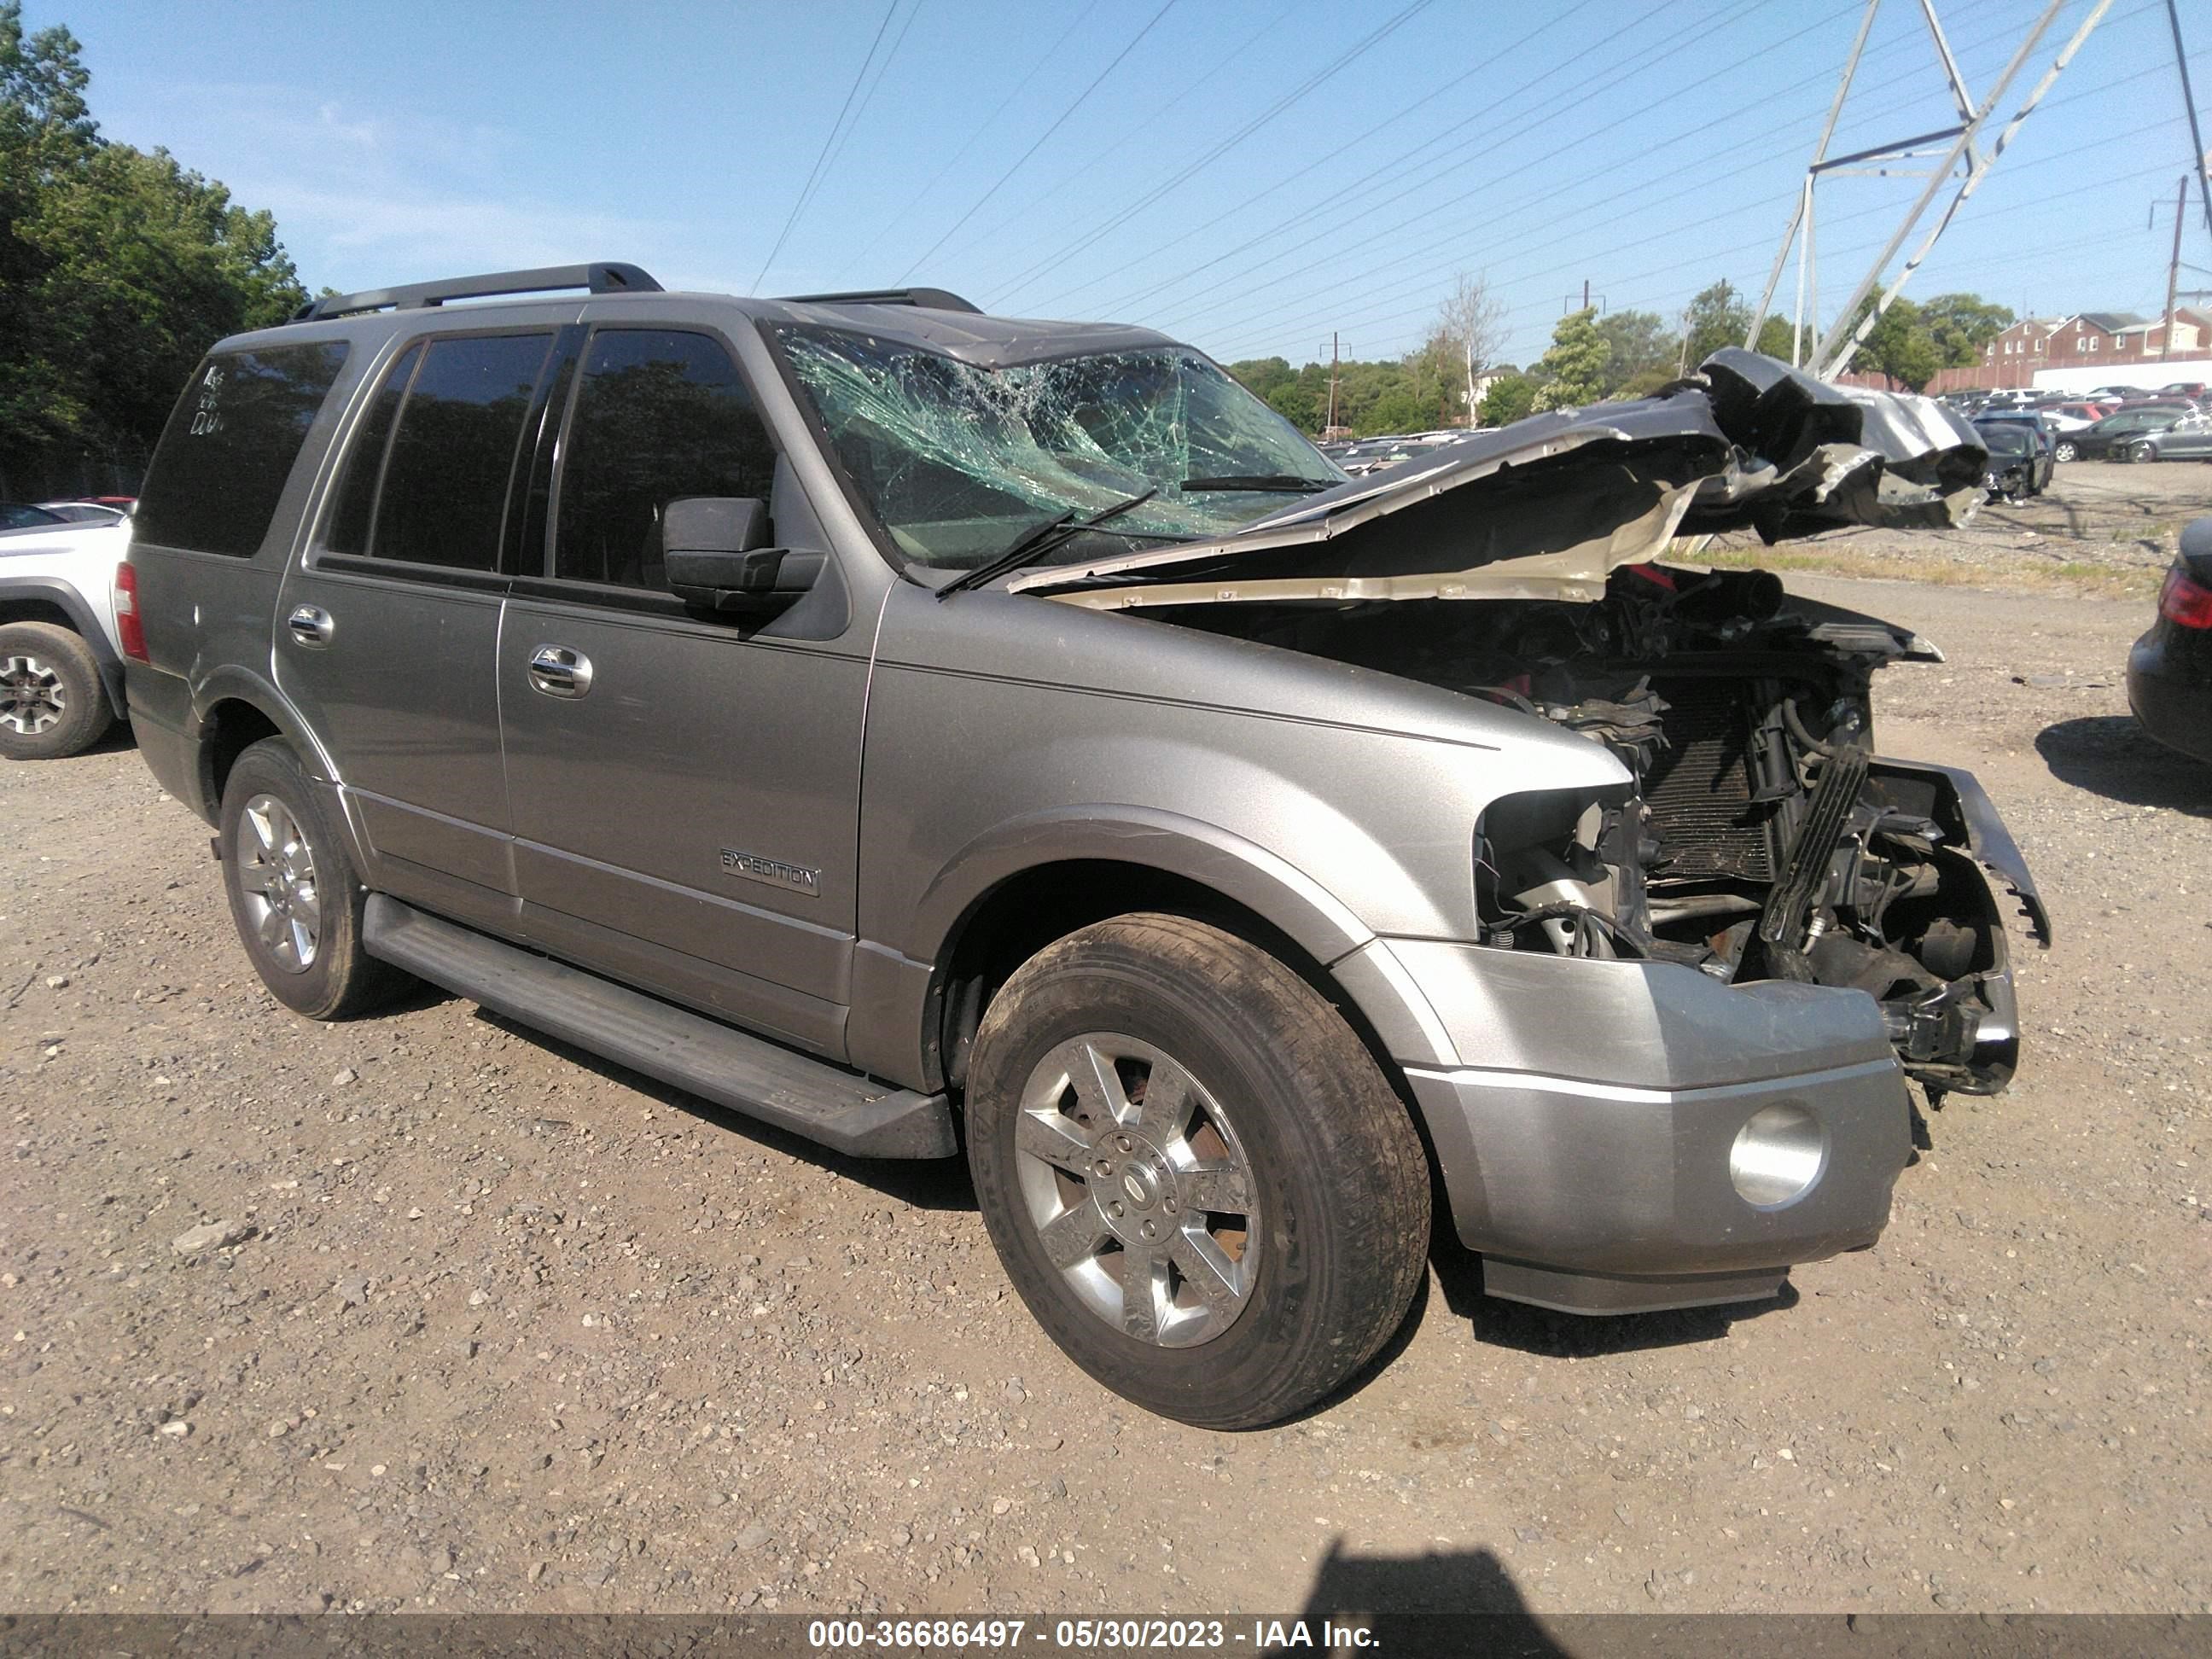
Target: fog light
[{"x": 1778, "y": 1155}]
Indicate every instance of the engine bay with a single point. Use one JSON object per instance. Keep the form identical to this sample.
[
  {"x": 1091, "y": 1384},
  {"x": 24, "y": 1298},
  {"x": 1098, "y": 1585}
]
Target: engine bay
[{"x": 1760, "y": 838}]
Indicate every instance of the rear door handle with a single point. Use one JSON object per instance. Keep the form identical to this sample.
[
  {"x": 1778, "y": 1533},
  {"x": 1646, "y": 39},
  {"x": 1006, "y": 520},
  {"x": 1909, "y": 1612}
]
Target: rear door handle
[
  {"x": 310, "y": 624},
  {"x": 559, "y": 671}
]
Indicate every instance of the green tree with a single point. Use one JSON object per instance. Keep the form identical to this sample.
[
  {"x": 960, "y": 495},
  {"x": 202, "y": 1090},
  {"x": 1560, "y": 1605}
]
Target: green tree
[
  {"x": 1960, "y": 325},
  {"x": 1574, "y": 366},
  {"x": 1774, "y": 339},
  {"x": 1717, "y": 316},
  {"x": 1511, "y": 398},
  {"x": 118, "y": 268},
  {"x": 1899, "y": 347},
  {"x": 1637, "y": 345},
  {"x": 1296, "y": 404}
]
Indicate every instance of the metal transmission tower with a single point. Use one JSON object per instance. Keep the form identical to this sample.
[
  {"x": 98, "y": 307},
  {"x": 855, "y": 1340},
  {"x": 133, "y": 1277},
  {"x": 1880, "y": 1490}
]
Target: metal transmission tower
[{"x": 1965, "y": 157}]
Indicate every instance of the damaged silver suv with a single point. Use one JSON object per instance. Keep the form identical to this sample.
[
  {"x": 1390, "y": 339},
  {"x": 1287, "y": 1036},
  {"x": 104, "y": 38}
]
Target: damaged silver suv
[{"x": 921, "y": 730}]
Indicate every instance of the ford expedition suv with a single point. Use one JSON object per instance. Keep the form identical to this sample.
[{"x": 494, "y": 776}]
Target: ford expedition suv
[{"x": 930, "y": 732}]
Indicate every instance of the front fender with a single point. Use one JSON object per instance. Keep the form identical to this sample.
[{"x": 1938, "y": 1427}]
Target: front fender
[{"x": 1240, "y": 870}]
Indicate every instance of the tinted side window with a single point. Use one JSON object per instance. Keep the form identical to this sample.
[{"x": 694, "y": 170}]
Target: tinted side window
[
  {"x": 660, "y": 415},
  {"x": 230, "y": 445},
  {"x": 444, "y": 496},
  {"x": 349, "y": 520}
]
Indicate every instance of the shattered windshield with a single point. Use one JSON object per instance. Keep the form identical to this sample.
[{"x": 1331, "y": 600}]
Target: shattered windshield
[{"x": 958, "y": 460}]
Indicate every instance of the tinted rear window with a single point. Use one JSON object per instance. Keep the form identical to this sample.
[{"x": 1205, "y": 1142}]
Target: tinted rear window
[
  {"x": 230, "y": 445},
  {"x": 445, "y": 478}
]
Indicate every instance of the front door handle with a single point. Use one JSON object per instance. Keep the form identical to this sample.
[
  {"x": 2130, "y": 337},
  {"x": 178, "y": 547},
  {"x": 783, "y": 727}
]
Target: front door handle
[
  {"x": 310, "y": 624},
  {"x": 559, "y": 671}
]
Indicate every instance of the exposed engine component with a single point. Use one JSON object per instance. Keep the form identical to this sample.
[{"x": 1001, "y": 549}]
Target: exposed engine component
[{"x": 1759, "y": 840}]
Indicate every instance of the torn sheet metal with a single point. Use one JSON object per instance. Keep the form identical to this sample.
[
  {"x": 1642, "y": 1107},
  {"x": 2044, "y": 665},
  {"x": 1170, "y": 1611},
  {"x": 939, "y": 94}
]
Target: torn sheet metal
[{"x": 1749, "y": 443}]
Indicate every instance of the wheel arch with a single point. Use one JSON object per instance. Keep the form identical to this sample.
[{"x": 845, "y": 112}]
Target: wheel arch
[
  {"x": 234, "y": 709},
  {"x": 48, "y": 600},
  {"x": 1001, "y": 923}
]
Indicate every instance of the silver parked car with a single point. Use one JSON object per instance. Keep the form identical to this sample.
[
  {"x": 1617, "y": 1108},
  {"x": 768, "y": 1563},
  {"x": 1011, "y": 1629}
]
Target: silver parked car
[{"x": 925, "y": 732}]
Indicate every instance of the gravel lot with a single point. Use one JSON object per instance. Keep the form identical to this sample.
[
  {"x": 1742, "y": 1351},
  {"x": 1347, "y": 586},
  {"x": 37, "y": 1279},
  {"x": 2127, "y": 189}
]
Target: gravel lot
[{"x": 506, "y": 1328}]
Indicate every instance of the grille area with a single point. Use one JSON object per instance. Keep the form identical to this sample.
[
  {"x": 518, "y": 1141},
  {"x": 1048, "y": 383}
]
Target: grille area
[{"x": 1698, "y": 789}]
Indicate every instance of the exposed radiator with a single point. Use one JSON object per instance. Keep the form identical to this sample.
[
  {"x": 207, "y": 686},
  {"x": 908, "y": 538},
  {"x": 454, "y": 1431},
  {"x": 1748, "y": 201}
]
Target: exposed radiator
[{"x": 1699, "y": 787}]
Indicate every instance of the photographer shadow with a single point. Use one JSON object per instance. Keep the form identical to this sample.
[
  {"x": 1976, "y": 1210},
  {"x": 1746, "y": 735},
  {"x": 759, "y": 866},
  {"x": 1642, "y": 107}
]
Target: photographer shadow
[{"x": 1444, "y": 1601}]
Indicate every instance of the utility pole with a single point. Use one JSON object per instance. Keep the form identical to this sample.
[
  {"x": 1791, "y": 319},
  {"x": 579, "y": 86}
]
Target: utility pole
[
  {"x": 2174, "y": 266},
  {"x": 1585, "y": 293},
  {"x": 1332, "y": 380},
  {"x": 2188, "y": 103}
]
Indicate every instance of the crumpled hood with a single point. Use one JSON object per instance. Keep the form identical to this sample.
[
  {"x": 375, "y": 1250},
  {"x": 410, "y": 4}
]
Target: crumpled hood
[{"x": 1544, "y": 508}]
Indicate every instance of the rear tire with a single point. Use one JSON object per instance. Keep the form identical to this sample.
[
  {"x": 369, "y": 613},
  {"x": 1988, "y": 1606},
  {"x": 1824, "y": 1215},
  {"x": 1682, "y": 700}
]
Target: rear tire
[
  {"x": 2064, "y": 451},
  {"x": 52, "y": 703},
  {"x": 2142, "y": 450},
  {"x": 293, "y": 893},
  {"x": 1197, "y": 1178}
]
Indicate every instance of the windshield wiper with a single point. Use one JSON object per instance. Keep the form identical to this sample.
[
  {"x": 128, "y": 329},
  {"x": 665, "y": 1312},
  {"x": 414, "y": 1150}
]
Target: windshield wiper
[
  {"x": 1035, "y": 543},
  {"x": 1273, "y": 483}
]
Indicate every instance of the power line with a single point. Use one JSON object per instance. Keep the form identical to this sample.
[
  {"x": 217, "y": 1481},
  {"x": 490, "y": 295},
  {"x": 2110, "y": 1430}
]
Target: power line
[
  {"x": 1706, "y": 257},
  {"x": 1320, "y": 162},
  {"x": 1318, "y": 78},
  {"x": 1429, "y": 212},
  {"x": 1041, "y": 138},
  {"x": 1547, "y": 229},
  {"x": 1236, "y": 286},
  {"x": 867, "y": 97},
  {"x": 1140, "y": 124},
  {"x": 977, "y": 132},
  {"x": 1709, "y": 258},
  {"x": 828, "y": 139}
]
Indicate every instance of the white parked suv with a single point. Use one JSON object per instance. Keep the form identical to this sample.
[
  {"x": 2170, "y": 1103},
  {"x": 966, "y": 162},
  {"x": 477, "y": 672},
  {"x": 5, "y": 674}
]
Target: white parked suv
[{"x": 61, "y": 664}]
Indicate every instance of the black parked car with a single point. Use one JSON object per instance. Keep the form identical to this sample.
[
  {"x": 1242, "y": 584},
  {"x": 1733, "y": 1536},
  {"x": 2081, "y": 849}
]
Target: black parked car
[
  {"x": 2022, "y": 458},
  {"x": 2170, "y": 670}
]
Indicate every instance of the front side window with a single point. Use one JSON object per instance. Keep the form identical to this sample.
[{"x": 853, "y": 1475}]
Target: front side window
[
  {"x": 427, "y": 480},
  {"x": 660, "y": 414},
  {"x": 230, "y": 444},
  {"x": 955, "y": 460}
]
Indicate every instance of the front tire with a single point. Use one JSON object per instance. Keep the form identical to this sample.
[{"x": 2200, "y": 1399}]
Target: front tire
[
  {"x": 51, "y": 702},
  {"x": 1197, "y": 1178},
  {"x": 294, "y": 894},
  {"x": 2142, "y": 450},
  {"x": 2064, "y": 451}
]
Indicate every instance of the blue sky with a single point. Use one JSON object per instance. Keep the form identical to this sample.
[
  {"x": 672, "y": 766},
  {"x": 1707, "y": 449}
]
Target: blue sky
[{"x": 1246, "y": 174}]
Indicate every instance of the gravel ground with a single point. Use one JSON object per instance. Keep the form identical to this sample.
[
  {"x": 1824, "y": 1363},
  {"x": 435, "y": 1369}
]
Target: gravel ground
[{"x": 425, "y": 1311}]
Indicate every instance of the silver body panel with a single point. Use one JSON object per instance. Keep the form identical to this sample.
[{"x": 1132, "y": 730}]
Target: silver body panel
[{"x": 887, "y": 760}]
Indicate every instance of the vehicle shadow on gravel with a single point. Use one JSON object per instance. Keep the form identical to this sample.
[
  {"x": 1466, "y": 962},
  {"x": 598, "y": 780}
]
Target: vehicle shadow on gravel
[
  {"x": 2112, "y": 756},
  {"x": 940, "y": 1183}
]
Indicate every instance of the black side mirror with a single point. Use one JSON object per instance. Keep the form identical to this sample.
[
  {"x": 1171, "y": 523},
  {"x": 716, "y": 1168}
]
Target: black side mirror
[{"x": 714, "y": 550}]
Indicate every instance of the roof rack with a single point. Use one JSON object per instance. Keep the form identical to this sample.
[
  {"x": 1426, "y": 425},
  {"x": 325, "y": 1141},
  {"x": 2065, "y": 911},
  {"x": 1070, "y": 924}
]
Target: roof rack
[
  {"x": 932, "y": 299},
  {"x": 606, "y": 277}
]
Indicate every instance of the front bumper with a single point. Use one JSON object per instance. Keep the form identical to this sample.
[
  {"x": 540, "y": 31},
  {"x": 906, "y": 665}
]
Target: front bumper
[
  {"x": 1598, "y": 1198},
  {"x": 1587, "y": 1157}
]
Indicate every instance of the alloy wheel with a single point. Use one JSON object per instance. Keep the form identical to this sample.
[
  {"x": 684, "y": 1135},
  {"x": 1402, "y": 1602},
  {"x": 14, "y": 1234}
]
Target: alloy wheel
[
  {"x": 277, "y": 875},
  {"x": 31, "y": 695},
  {"x": 1139, "y": 1190}
]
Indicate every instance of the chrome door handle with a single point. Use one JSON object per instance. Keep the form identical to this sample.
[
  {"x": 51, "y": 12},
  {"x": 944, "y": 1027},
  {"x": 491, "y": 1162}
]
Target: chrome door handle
[
  {"x": 310, "y": 624},
  {"x": 560, "y": 672}
]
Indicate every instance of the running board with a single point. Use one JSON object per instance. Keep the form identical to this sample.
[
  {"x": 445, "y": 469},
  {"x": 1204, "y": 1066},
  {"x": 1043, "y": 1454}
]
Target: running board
[{"x": 748, "y": 1074}]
